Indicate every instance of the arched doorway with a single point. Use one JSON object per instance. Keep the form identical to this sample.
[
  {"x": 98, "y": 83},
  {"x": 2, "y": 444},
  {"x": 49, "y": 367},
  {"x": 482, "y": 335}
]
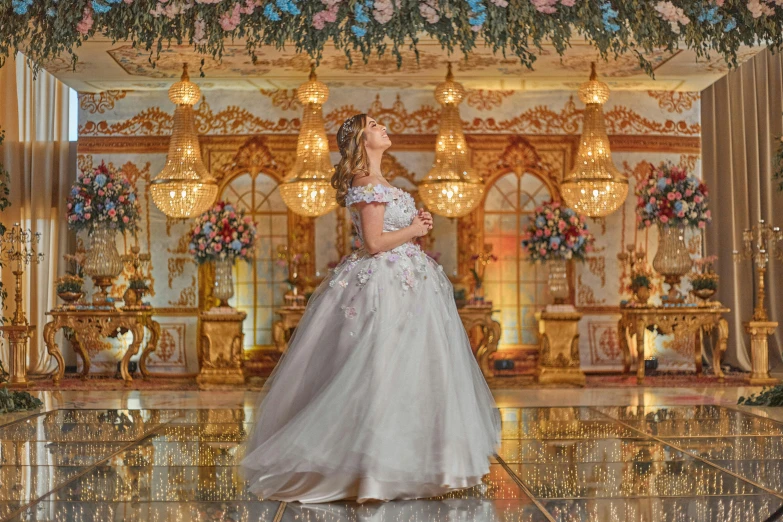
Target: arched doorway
[
  {"x": 260, "y": 284},
  {"x": 516, "y": 287}
]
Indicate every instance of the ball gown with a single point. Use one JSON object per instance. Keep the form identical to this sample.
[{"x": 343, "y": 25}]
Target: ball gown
[{"x": 378, "y": 395}]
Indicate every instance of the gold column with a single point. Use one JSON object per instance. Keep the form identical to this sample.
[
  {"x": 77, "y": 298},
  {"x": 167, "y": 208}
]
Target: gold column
[
  {"x": 220, "y": 356},
  {"x": 558, "y": 360},
  {"x": 759, "y": 332},
  {"x": 18, "y": 337}
]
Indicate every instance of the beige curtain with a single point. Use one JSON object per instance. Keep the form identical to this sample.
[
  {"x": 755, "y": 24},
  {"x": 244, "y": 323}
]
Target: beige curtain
[
  {"x": 741, "y": 126},
  {"x": 41, "y": 164}
]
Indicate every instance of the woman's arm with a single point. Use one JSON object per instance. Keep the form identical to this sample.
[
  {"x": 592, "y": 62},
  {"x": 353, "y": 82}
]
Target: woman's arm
[{"x": 376, "y": 240}]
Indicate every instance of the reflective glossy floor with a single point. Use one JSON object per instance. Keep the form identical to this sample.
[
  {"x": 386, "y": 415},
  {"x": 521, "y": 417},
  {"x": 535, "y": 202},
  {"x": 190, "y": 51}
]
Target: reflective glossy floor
[{"x": 172, "y": 457}]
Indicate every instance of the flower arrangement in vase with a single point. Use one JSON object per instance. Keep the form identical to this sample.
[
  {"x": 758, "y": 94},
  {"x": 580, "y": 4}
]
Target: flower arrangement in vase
[
  {"x": 704, "y": 283},
  {"x": 674, "y": 200},
  {"x": 221, "y": 235},
  {"x": 70, "y": 286},
  {"x": 103, "y": 202},
  {"x": 555, "y": 235},
  {"x": 641, "y": 284}
]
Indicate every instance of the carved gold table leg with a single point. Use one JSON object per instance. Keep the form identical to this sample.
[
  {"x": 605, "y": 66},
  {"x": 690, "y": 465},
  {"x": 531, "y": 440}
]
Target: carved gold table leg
[
  {"x": 720, "y": 349},
  {"x": 279, "y": 336},
  {"x": 759, "y": 332},
  {"x": 79, "y": 348},
  {"x": 50, "y": 329},
  {"x": 623, "y": 334},
  {"x": 698, "y": 358},
  {"x": 641, "y": 326},
  {"x": 154, "y": 328},
  {"x": 138, "y": 336}
]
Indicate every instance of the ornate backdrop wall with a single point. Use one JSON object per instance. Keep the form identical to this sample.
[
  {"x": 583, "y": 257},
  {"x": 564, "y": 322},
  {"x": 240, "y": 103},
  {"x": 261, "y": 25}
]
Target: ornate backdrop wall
[{"x": 522, "y": 144}]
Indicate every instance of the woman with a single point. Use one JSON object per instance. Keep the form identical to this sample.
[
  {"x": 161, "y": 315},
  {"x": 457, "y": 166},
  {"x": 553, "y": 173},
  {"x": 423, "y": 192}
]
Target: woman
[{"x": 379, "y": 396}]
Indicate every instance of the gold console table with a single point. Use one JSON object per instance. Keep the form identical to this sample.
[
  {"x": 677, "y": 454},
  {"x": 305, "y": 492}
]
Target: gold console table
[
  {"x": 89, "y": 325},
  {"x": 676, "y": 320},
  {"x": 471, "y": 316}
]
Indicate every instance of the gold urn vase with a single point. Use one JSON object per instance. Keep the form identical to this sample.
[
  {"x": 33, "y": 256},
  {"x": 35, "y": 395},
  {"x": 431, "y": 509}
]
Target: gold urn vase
[
  {"x": 558, "y": 280},
  {"x": 103, "y": 262}
]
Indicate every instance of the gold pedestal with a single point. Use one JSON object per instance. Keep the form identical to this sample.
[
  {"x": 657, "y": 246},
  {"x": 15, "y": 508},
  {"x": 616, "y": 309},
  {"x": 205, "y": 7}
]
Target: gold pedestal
[
  {"x": 220, "y": 357},
  {"x": 18, "y": 337},
  {"x": 558, "y": 360},
  {"x": 759, "y": 332},
  {"x": 486, "y": 343}
]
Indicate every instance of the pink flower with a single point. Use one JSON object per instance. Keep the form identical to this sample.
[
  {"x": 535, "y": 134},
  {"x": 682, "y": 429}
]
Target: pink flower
[
  {"x": 688, "y": 193},
  {"x": 84, "y": 26},
  {"x": 547, "y": 232},
  {"x": 109, "y": 186},
  {"x": 653, "y": 200},
  {"x": 218, "y": 247},
  {"x": 670, "y": 196},
  {"x": 202, "y": 246},
  {"x": 539, "y": 233},
  {"x": 702, "y": 224},
  {"x": 664, "y": 219},
  {"x": 87, "y": 215},
  {"x": 112, "y": 213},
  {"x": 542, "y": 251},
  {"x": 125, "y": 219},
  {"x": 697, "y": 199},
  {"x": 101, "y": 192},
  {"x": 678, "y": 195},
  {"x": 122, "y": 199},
  {"x": 647, "y": 222},
  {"x": 229, "y": 22}
]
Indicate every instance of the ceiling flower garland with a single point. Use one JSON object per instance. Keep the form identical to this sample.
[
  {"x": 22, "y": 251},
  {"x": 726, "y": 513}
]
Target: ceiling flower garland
[{"x": 44, "y": 29}]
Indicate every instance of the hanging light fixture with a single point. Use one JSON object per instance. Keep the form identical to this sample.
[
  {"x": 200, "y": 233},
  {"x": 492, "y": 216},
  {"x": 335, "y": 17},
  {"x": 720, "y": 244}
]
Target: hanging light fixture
[
  {"x": 184, "y": 188},
  {"x": 451, "y": 188},
  {"x": 307, "y": 189},
  {"x": 595, "y": 187}
]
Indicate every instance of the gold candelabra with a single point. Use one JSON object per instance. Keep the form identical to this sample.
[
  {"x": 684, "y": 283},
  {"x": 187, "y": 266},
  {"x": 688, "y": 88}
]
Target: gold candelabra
[
  {"x": 632, "y": 257},
  {"x": 294, "y": 260},
  {"x": 760, "y": 242},
  {"x": 136, "y": 261},
  {"x": 17, "y": 246}
]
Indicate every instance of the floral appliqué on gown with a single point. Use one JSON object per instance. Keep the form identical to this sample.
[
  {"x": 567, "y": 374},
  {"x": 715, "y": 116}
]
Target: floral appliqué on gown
[{"x": 379, "y": 395}]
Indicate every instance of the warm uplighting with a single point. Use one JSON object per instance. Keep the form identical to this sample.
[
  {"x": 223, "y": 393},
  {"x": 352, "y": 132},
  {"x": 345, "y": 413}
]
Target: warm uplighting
[
  {"x": 451, "y": 188},
  {"x": 307, "y": 189},
  {"x": 184, "y": 188},
  {"x": 594, "y": 187}
]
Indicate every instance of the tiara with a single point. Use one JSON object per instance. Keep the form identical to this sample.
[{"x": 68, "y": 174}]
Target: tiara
[{"x": 345, "y": 127}]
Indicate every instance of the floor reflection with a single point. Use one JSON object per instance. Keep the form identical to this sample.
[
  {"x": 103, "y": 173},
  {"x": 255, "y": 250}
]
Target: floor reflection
[{"x": 568, "y": 464}]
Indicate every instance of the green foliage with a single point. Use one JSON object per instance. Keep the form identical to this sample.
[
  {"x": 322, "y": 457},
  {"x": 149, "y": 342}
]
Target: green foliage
[
  {"x": 777, "y": 164},
  {"x": 138, "y": 283},
  {"x": 69, "y": 283},
  {"x": 640, "y": 281},
  {"x": 11, "y": 401},
  {"x": 767, "y": 397},
  {"x": 705, "y": 281},
  {"x": 48, "y": 28}
]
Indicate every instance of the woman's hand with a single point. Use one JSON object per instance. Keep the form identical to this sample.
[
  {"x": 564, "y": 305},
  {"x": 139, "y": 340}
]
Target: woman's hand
[{"x": 422, "y": 223}]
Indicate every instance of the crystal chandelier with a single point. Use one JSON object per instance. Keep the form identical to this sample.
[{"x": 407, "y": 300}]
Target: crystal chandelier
[
  {"x": 595, "y": 187},
  {"x": 184, "y": 188},
  {"x": 451, "y": 188},
  {"x": 307, "y": 190}
]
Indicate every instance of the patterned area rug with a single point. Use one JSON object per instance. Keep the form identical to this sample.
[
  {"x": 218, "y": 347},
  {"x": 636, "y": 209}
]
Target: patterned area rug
[{"x": 656, "y": 380}]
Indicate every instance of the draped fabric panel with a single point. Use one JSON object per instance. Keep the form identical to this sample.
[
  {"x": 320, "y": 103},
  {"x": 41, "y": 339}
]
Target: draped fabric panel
[
  {"x": 741, "y": 129},
  {"x": 42, "y": 166}
]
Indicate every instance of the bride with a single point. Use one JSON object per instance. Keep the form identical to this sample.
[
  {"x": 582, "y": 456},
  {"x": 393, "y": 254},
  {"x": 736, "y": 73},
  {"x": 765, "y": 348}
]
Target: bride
[{"x": 378, "y": 396}]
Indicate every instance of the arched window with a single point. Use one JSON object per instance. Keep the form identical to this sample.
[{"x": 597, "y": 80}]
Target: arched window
[
  {"x": 516, "y": 287},
  {"x": 259, "y": 285}
]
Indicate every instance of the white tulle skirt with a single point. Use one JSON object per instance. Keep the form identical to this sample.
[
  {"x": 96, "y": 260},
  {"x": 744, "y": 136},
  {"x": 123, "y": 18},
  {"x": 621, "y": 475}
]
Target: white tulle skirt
[{"x": 379, "y": 395}]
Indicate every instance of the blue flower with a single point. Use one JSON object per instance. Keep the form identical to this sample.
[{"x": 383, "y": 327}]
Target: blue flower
[
  {"x": 730, "y": 25},
  {"x": 678, "y": 205},
  {"x": 236, "y": 245},
  {"x": 648, "y": 208},
  {"x": 206, "y": 228},
  {"x": 710, "y": 15},
  {"x": 358, "y": 31},
  {"x": 228, "y": 208},
  {"x": 100, "y": 8},
  {"x": 21, "y": 6},
  {"x": 608, "y": 16},
  {"x": 288, "y": 6},
  {"x": 78, "y": 208},
  {"x": 580, "y": 241},
  {"x": 554, "y": 242},
  {"x": 540, "y": 222},
  {"x": 270, "y": 13},
  {"x": 477, "y": 12},
  {"x": 74, "y": 191},
  {"x": 132, "y": 197},
  {"x": 479, "y": 19},
  {"x": 100, "y": 180},
  {"x": 51, "y": 12},
  {"x": 359, "y": 14},
  {"x": 109, "y": 205},
  {"x": 661, "y": 183}
]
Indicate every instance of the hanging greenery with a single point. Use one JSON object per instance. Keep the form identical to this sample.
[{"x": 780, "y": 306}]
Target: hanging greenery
[
  {"x": 772, "y": 396},
  {"x": 44, "y": 29}
]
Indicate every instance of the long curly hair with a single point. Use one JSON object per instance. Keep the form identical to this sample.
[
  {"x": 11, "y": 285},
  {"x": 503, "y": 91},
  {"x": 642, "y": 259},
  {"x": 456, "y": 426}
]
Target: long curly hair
[{"x": 353, "y": 156}]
